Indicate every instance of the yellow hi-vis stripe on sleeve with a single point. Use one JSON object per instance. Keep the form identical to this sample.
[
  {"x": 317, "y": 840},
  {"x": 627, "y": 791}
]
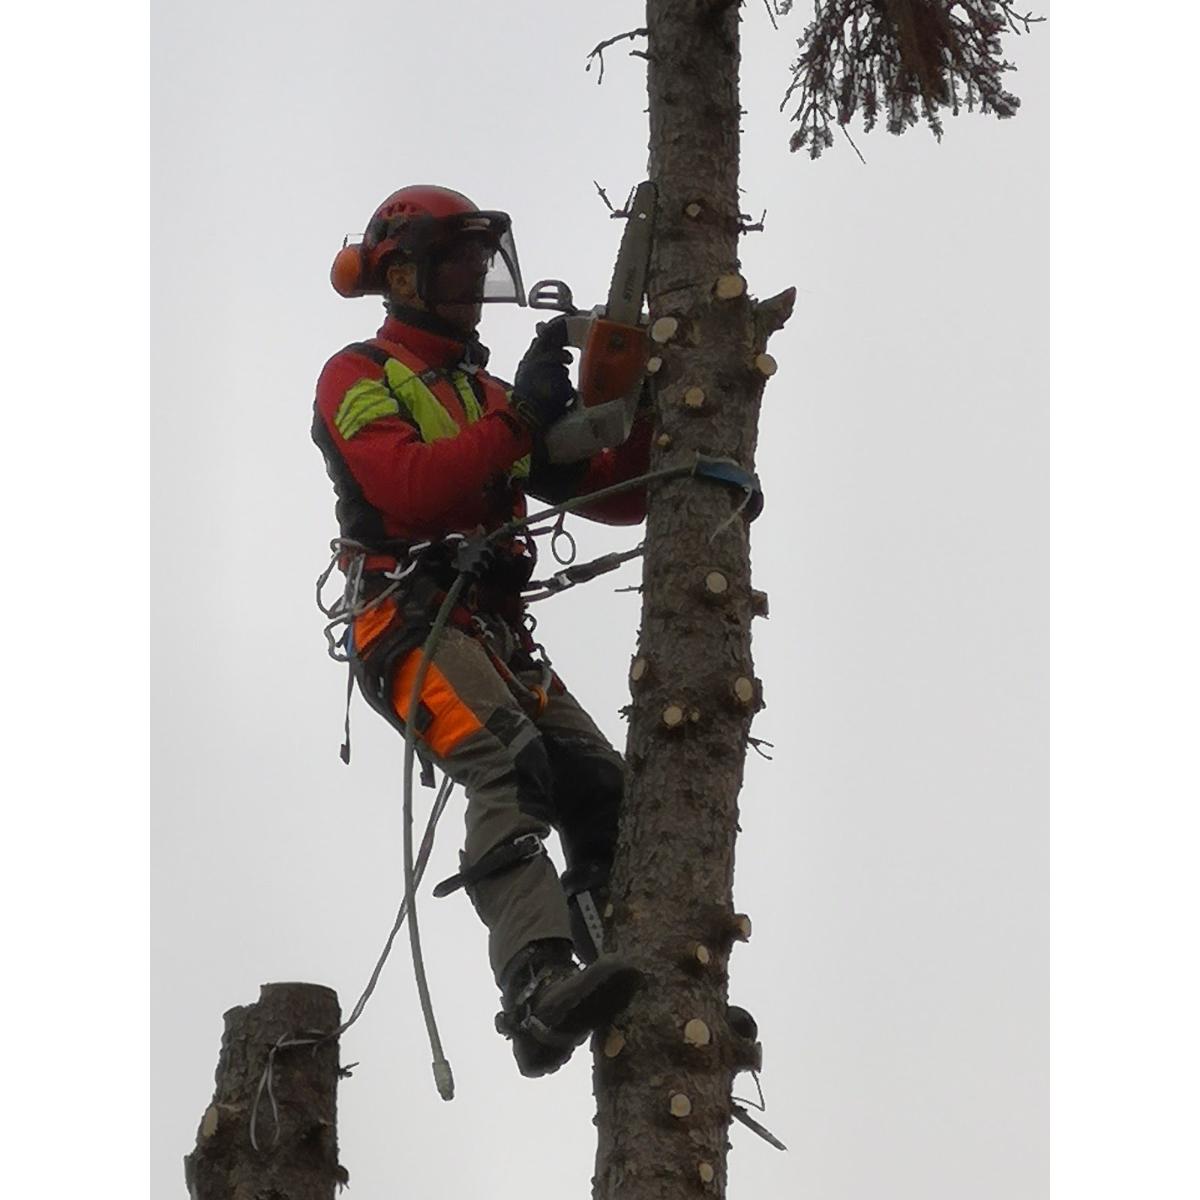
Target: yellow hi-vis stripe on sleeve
[
  {"x": 432, "y": 419},
  {"x": 405, "y": 395},
  {"x": 366, "y": 401}
]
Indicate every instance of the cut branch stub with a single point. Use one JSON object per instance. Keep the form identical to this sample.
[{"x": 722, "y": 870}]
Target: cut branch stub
[
  {"x": 639, "y": 670},
  {"x": 654, "y": 364},
  {"x": 706, "y": 1172},
  {"x": 741, "y": 927},
  {"x": 693, "y": 398},
  {"x": 766, "y": 364},
  {"x": 759, "y": 604},
  {"x": 696, "y": 1033},
  {"x": 744, "y": 691},
  {"x": 674, "y": 716},
  {"x": 694, "y": 209},
  {"x": 614, "y": 1043},
  {"x": 729, "y": 287},
  {"x": 681, "y": 1106},
  {"x": 663, "y": 330},
  {"x": 212, "y": 1118},
  {"x": 663, "y": 441},
  {"x": 771, "y": 315},
  {"x": 716, "y": 583},
  {"x": 702, "y": 954}
]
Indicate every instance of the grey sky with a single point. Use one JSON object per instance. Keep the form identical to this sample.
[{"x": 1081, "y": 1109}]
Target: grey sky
[{"x": 893, "y": 853}]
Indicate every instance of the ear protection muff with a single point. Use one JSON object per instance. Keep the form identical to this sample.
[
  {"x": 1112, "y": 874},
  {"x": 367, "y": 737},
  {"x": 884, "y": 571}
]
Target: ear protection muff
[{"x": 349, "y": 270}]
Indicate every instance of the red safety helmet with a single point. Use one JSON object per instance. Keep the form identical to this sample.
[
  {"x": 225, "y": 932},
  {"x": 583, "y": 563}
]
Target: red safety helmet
[{"x": 461, "y": 253}]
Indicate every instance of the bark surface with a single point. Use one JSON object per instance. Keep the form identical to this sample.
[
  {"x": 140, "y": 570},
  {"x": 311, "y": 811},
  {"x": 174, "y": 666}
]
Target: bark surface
[
  {"x": 663, "y": 1080},
  {"x": 297, "y": 1158}
]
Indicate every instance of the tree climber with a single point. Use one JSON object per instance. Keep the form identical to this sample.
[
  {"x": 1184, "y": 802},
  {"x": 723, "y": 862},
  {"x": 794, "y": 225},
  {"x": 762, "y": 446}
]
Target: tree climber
[{"x": 422, "y": 443}]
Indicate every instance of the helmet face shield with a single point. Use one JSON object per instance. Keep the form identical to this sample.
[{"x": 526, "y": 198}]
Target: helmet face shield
[{"x": 468, "y": 259}]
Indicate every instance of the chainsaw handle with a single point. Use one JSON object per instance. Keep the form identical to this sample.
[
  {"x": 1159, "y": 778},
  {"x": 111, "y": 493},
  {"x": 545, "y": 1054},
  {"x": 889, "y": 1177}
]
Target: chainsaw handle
[{"x": 579, "y": 326}]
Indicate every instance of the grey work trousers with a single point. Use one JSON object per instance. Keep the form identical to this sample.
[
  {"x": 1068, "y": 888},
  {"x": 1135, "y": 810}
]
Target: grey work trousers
[{"x": 522, "y": 772}]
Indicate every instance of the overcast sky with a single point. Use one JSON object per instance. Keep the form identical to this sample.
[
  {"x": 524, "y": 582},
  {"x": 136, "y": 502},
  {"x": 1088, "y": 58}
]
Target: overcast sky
[{"x": 893, "y": 853}]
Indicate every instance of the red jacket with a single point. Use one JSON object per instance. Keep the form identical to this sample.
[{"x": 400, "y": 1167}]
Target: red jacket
[{"x": 420, "y": 444}]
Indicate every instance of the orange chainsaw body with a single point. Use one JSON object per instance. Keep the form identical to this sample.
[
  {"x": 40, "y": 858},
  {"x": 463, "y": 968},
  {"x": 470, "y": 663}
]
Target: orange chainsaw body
[{"x": 612, "y": 362}]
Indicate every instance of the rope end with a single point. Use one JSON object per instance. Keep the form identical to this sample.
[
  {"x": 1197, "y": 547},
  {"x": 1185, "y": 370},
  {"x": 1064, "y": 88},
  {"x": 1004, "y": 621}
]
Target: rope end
[{"x": 443, "y": 1076}]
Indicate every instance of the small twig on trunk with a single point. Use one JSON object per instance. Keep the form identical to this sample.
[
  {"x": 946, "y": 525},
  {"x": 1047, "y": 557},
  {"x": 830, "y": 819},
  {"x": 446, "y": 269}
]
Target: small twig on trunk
[
  {"x": 758, "y": 744},
  {"x": 615, "y": 212},
  {"x": 745, "y": 225},
  {"x": 598, "y": 52},
  {"x": 604, "y": 196},
  {"x": 771, "y": 13}
]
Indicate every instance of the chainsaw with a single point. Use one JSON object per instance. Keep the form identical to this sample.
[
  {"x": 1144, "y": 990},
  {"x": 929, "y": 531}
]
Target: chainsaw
[{"x": 612, "y": 340}]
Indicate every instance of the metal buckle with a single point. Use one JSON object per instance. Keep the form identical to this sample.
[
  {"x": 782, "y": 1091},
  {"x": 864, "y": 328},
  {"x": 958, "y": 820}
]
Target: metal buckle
[{"x": 531, "y": 840}]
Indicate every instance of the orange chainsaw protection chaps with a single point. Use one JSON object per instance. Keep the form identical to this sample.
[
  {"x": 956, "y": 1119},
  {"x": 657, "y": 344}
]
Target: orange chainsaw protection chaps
[{"x": 522, "y": 771}]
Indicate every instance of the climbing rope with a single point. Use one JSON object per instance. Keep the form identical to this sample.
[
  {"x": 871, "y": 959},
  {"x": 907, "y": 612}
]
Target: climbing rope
[
  {"x": 341, "y": 612},
  {"x": 720, "y": 470},
  {"x": 442, "y": 1074}
]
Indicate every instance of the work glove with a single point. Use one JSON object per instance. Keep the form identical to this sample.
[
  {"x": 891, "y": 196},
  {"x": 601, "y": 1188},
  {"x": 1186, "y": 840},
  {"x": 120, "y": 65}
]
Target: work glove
[{"x": 542, "y": 390}]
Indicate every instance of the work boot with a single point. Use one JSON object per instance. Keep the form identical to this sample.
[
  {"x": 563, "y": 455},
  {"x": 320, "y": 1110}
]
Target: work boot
[{"x": 551, "y": 1004}]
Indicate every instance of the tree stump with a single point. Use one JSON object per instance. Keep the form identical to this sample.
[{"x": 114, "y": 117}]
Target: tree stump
[{"x": 297, "y": 1157}]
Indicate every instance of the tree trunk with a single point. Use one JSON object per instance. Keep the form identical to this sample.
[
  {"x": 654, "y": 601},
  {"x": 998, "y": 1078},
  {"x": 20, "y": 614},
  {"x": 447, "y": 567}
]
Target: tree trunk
[
  {"x": 663, "y": 1080},
  {"x": 296, "y": 1157}
]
